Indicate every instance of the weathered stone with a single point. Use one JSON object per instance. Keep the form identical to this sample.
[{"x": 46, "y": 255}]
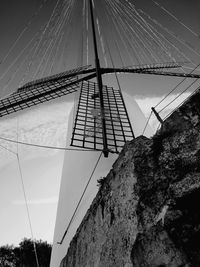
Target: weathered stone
[
  {"x": 154, "y": 248},
  {"x": 146, "y": 212},
  {"x": 186, "y": 186}
]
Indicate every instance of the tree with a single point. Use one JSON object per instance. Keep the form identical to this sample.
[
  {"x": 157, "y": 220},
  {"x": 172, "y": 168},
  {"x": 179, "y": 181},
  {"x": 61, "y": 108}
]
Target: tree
[
  {"x": 24, "y": 254},
  {"x": 28, "y": 257},
  {"x": 7, "y": 256}
]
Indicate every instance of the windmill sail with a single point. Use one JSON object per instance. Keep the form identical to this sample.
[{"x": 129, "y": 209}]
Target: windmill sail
[
  {"x": 41, "y": 91},
  {"x": 87, "y": 132}
]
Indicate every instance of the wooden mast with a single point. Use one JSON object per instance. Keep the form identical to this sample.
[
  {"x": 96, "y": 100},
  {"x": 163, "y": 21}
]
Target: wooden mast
[{"x": 99, "y": 82}]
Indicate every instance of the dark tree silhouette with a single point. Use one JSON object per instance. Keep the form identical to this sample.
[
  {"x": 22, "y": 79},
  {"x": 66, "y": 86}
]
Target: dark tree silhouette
[
  {"x": 24, "y": 254},
  {"x": 7, "y": 256}
]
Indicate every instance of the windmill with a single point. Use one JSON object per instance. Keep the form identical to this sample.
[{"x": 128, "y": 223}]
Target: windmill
[{"x": 102, "y": 122}]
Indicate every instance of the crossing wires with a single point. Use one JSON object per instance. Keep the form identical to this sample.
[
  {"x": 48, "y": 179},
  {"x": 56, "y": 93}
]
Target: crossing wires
[{"x": 16, "y": 154}]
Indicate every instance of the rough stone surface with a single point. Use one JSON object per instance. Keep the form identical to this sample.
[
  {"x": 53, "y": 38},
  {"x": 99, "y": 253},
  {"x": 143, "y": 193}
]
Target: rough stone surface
[{"x": 146, "y": 213}]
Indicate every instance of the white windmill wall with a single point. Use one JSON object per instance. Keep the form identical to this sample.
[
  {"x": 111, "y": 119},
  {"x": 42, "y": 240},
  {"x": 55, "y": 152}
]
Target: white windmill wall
[
  {"x": 136, "y": 116},
  {"x": 77, "y": 169}
]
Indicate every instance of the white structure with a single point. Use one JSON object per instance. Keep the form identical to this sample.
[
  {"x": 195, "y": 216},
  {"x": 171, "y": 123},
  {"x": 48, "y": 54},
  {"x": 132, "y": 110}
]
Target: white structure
[{"x": 77, "y": 169}]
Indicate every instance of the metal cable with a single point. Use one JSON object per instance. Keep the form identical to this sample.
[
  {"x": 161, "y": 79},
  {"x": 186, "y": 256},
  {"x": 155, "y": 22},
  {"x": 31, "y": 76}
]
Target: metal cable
[
  {"x": 174, "y": 17},
  {"x": 174, "y": 35},
  {"x": 142, "y": 33},
  {"x": 43, "y": 146},
  {"x": 178, "y": 95},
  {"x": 26, "y": 203},
  {"x": 19, "y": 55},
  {"x": 175, "y": 87},
  {"x": 146, "y": 28},
  {"x": 147, "y": 123},
  {"x": 72, "y": 218},
  {"x": 27, "y": 209},
  {"x": 22, "y": 32},
  {"x": 169, "y": 32},
  {"x": 120, "y": 33},
  {"x": 9, "y": 150},
  {"x": 181, "y": 103}
]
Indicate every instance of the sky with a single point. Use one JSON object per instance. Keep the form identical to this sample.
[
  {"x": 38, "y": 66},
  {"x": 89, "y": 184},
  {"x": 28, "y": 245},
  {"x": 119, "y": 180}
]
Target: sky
[{"x": 47, "y": 124}]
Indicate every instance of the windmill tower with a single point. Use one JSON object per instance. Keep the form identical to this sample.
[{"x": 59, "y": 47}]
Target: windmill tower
[{"x": 103, "y": 122}]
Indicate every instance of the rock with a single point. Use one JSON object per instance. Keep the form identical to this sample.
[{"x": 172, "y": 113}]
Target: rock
[
  {"x": 154, "y": 248},
  {"x": 146, "y": 212}
]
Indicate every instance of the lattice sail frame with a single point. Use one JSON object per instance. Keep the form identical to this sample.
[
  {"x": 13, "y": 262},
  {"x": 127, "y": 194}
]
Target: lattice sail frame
[
  {"x": 87, "y": 130},
  {"x": 40, "y": 91}
]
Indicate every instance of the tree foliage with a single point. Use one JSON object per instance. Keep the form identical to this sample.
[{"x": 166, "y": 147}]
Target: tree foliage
[{"x": 24, "y": 254}]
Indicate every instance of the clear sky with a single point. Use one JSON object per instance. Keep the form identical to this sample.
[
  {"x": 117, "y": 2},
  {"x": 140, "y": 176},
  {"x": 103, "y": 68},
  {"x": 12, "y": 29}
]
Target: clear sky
[{"x": 47, "y": 124}]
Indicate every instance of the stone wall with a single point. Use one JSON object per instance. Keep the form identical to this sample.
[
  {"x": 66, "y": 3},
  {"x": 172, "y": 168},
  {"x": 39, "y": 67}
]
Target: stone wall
[{"x": 147, "y": 212}]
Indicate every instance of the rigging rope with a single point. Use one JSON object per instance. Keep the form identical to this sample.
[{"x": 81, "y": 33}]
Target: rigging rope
[
  {"x": 110, "y": 22},
  {"x": 123, "y": 28},
  {"x": 170, "y": 33},
  {"x": 175, "y": 87},
  {"x": 102, "y": 43},
  {"x": 171, "y": 44},
  {"x": 26, "y": 203},
  {"x": 176, "y": 36},
  {"x": 51, "y": 39},
  {"x": 28, "y": 44},
  {"x": 111, "y": 34},
  {"x": 128, "y": 18},
  {"x": 147, "y": 122},
  {"x": 72, "y": 218},
  {"x": 23, "y": 31},
  {"x": 27, "y": 69},
  {"x": 178, "y": 95},
  {"x": 111, "y": 58},
  {"x": 38, "y": 47},
  {"x": 27, "y": 209},
  {"x": 65, "y": 20},
  {"x": 9, "y": 150},
  {"x": 181, "y": 103},
  {"x": 120, "y": 32},
  {"x": 174, "y": 17},
  {"x": 151, "y": 33},
  {"x": 43, "y": 146},
  {"x": 53, "y": 14}
]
